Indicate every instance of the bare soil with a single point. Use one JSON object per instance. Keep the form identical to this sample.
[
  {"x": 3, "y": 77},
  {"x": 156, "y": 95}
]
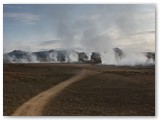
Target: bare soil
[
  {"x": 117, "y": 91},
  {"x": 36, "y": 105},
  {"x": 21, "y": 82},
  {"x": 68, "y": 89}
]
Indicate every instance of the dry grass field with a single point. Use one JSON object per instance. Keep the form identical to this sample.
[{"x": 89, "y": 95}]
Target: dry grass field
[{"x": 114, "y": 91}]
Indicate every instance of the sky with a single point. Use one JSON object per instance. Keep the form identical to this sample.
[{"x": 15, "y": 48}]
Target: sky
[{"x": 83, "y": 27}]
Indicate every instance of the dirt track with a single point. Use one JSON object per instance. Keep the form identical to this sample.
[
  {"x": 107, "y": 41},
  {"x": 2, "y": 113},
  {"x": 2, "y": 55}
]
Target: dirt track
[{"x": 34, "y": 106}]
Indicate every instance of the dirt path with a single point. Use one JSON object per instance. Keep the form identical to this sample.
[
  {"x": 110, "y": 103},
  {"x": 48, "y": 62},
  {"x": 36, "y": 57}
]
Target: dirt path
[{"x": 35, "y": 105}]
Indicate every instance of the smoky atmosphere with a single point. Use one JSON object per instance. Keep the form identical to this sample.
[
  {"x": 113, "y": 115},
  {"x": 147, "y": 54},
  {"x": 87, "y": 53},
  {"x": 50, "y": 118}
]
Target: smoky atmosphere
[
  {"x": 120, "y": 34},
  {"x": 79, "y": 59}
]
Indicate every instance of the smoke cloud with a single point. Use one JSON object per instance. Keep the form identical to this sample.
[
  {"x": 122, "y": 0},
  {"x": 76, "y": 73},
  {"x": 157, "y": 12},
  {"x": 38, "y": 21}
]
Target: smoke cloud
[
  {"x": 114, "y": 57},
  {"x": 97, "y": 31}
]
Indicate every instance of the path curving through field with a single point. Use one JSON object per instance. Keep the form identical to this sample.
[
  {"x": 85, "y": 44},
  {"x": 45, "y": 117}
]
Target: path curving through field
[{"x": 35, "y": 105}]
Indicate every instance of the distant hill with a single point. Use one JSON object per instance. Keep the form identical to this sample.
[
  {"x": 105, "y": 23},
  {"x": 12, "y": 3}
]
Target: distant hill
[
  {"x": 61, "y": 56},
  {"x": 51, "y": 56}
]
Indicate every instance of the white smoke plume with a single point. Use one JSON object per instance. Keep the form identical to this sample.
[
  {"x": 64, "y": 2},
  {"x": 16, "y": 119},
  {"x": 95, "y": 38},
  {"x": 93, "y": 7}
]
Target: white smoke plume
[
  {"x": 94, "y": 31},
  {"x": 110, "y": 57},
  {"x": 52, "y": 58},
  {"x": 71, "y": 56},
  {"x": 129, "y": 59}
]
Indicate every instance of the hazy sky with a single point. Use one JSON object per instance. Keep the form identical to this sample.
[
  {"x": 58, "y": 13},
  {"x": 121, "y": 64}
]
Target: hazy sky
[{"x": 80, "y": 27}]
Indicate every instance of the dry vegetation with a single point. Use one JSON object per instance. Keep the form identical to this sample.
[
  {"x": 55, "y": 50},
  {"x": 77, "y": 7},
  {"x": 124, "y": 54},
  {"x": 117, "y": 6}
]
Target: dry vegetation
[{"x": 116, "y": 91}]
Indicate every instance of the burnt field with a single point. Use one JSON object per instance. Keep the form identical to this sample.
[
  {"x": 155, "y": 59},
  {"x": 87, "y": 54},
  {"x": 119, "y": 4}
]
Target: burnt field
[{"x": 115, "y": 90}]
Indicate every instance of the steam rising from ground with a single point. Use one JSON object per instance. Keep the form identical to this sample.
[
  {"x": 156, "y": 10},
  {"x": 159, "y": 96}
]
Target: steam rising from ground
[
  {"x": 89, "y": 34},
  {"x": 135, "y": 59},
  {"x": 113, "y": 57},
  {"x": 96, "y": 30},
  {"x": 128, "y": 59},
  {"x": 17, "y": 56}
]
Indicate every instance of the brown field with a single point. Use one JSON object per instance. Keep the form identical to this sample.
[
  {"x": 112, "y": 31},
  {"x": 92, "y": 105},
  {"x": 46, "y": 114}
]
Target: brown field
[
  {"x": 113, "y": 91},
  {"x": 23, "y": 81}
]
